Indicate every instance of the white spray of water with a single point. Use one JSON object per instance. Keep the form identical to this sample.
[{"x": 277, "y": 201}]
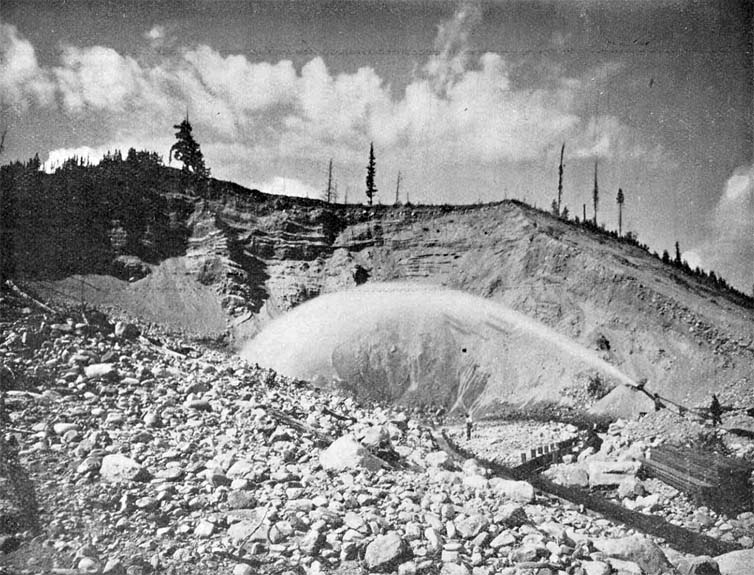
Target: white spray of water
[{"x": 375, "y": 320}]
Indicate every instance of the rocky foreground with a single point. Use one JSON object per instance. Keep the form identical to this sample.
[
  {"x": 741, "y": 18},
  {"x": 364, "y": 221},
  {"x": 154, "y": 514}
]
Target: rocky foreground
[{"x": 127, "y": 454}]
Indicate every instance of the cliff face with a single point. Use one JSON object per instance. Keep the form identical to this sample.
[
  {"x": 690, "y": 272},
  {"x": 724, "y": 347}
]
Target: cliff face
[{"x": 250, "y": 258}]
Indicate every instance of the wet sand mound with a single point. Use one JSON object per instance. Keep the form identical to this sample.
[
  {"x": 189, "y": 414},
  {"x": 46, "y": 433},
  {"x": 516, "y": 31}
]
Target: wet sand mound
[{"x": 421, "y": 344}]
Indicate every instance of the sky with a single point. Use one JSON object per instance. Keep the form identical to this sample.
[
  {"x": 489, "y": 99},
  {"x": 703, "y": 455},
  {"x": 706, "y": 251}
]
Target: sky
[{"x": 470, "y": 101}]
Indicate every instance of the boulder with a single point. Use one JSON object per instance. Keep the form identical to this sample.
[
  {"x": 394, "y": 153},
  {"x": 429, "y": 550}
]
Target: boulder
[
  {"x": 100, "y": 370},
  {"x": 595, "y": 568},
  {"x": 312, "y": 542},
  {"x": 475, "y": 482},
  {"x": 385, "y": 552},
  {"x": 63, "y": 428},
  {"x": 649, "y": 502},
  {"x": 640, "y": 550},
  {"x": 375, "y": 436},
  {"x": 520, "y": 491},
  {"x": 473, "y": 467},
  {"x": 454, "y": 569},
  {"x": 568, "y": 475},
  {"x": 623, "y": 567},
  {"x": 248, "y": 530},
  {"x": 433, "y": 537},
  {"x": 736, "y": 562},
  {"x": 198, "y": 404},
  {"x": 117, "y": 468},
  {"x": 238, "y": 499},
  {"x": 114, "y": 567},
  {"x": 438, "y": 459},
  {"x": 126, "y": 330},
  {"x": 702, "y": 565},
  {"x": 631, "y": 487},
  {"x": 610, "y": 473},
  {"x": 204, "y": 529},
  {"x": 241, "y": 468},
  {"x": 505, "y": 539},
  {"x": 511, "y": 515},
  {"x": 470, "y": 526},
  {"x": 347, "y": 453}
]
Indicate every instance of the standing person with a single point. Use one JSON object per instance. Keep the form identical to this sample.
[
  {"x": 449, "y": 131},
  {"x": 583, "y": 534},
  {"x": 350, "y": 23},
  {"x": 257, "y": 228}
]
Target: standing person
[
  {"x": 469, "y": 425},
  {"x": 716, "y": 411}
]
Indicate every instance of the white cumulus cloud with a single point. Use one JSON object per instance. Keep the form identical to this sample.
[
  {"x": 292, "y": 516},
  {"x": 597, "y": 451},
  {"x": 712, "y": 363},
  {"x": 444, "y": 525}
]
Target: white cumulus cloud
[
  {"x": 729, "y": 250},
  {"x": 458, "y": 110},
  {"x": 98, "y": 78},
  {"x": 56, "y": 157},
  {"x": 21, "y": 78},
  {"x": 282, "y": 186}
]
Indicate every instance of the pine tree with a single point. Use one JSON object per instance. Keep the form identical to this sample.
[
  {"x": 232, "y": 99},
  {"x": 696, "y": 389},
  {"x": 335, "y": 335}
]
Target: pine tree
[
  {"x": 397, "y": 188},
  {"x": 560, "y": 178},
  {"x": 677, "y": 260},
  {"x": 595, "y": 193},
  {"x": 371, "y": 190},
  {"x": 187, "y": 150},
  {"x": 34, "y": 163},
  {"x": 330, "y": 194},
  {"x": 620, "y": 199}
]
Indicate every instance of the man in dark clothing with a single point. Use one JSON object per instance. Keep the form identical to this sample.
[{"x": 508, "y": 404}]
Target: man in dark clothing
[
  {"x": 593, "y": 440},
  {"x": 469, "y": 425},
  {"x": 716, "y": 410}
]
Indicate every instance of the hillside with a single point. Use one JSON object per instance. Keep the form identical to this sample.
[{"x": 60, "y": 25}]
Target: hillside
[{"x": 225, "y": 266}]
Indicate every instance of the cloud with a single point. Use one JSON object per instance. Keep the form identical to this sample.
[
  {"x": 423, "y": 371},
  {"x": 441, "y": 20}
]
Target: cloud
[
  {"x": 98, "y": 78},
  {"x": 458, "y": 110},
  {"x": 452, "y": 45},
  {"x": 21, "y": 77},
  {"x": 95, "y": 154},
  {"x": 244, "y": 86},
  {"x": 56, "y": 157},
  {"x": 729, "y": 250},
  {"x": 288, "y": 187}
]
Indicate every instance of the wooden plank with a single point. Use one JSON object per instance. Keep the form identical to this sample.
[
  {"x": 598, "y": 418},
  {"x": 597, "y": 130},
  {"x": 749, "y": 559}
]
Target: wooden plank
[
  {"x": 658, "y": 467},
  {"x": 681, "y": 462},
  {"x": 727, "y": 496},
  {"x": 704, "y": 460}
]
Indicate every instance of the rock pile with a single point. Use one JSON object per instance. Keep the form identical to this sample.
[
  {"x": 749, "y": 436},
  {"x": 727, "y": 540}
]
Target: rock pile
[
  {"x": 613, "y": 470},
  {"x": 148, "y": 460}
]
